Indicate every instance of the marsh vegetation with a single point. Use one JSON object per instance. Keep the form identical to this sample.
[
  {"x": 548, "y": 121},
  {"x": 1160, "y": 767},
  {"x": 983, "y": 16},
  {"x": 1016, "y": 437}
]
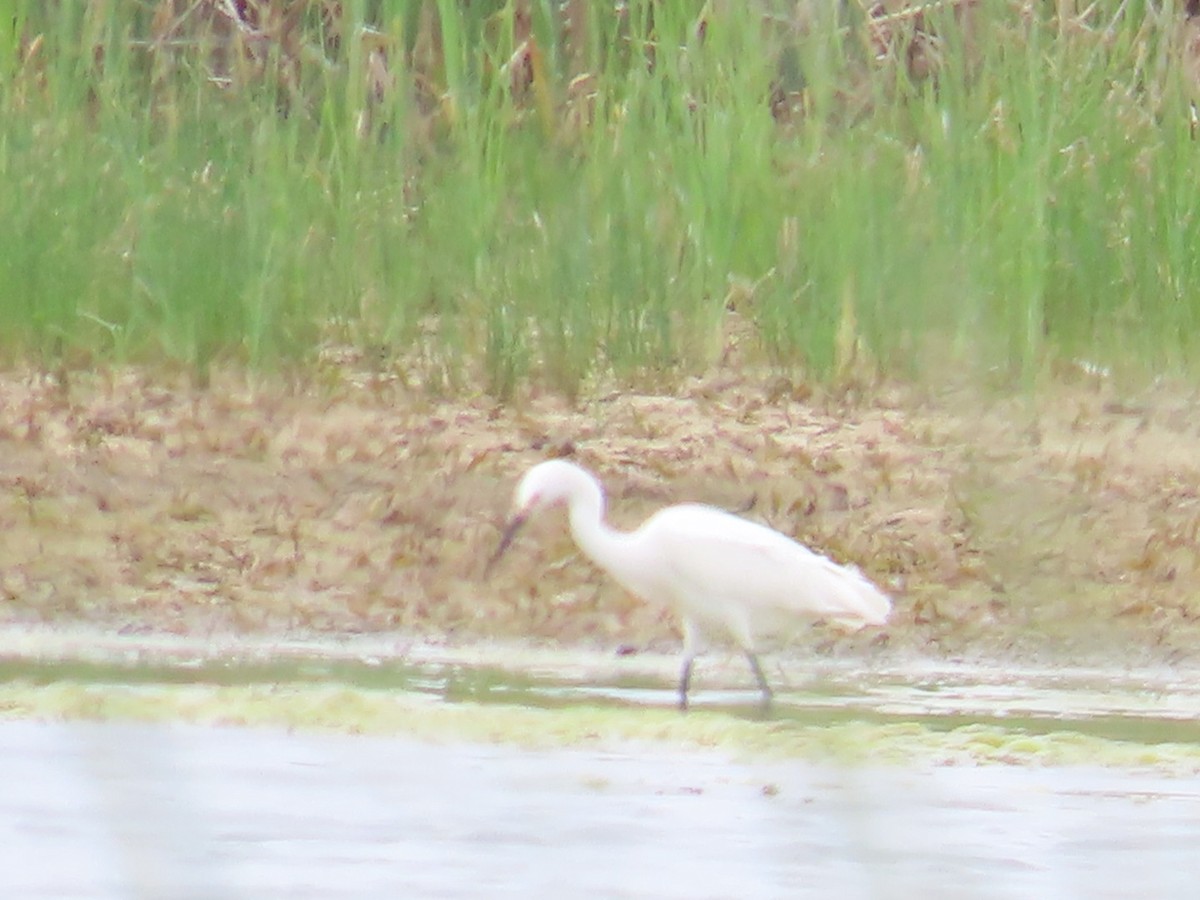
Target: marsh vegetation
[{"x": 571, "y": 195}]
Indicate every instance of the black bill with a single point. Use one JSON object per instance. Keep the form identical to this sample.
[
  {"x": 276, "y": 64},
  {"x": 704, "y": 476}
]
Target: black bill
[{"x": 506, "y": 539}]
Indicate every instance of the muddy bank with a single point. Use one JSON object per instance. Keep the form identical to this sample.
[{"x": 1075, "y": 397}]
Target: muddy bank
[{"x": 1060, "y": 527}]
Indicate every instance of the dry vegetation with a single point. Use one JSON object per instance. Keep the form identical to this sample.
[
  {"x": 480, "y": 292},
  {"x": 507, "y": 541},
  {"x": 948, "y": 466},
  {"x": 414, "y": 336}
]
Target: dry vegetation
[
  {"x": 138, "y": 505},
  {"x": 248, "y": 43},
  {"x": 550, "y": 72}
]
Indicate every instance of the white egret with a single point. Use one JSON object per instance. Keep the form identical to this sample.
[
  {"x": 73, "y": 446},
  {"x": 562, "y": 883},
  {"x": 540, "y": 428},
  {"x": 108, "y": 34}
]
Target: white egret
[{"x": 716, "y": 571}]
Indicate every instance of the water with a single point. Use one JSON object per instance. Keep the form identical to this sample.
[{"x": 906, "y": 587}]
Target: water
[
  {"x": 180, "y": 811},
  {"x": 115, "y": 809}
]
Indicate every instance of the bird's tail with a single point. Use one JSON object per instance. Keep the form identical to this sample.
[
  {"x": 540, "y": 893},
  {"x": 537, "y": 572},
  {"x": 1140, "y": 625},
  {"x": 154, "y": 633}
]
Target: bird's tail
[{"x": 863, "y": 603}]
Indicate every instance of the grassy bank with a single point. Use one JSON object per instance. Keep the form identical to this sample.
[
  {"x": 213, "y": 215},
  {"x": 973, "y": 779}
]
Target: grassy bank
[{"x": 561, "y": 193}]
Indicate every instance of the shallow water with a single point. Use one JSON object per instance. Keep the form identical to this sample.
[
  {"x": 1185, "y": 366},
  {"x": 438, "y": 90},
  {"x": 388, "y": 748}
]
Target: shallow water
[
  {"x": 117, "y": 810},
  {"x": 1150, "y": 707},
  {"x": 548, "y": 774}
]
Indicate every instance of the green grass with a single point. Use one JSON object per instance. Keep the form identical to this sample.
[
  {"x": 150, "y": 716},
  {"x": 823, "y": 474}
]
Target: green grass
[{"x": 1035, "y": 200}]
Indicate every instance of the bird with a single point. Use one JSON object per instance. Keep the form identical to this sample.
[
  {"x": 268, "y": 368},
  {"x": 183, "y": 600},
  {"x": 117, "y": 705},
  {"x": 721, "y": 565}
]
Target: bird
[{"x": 717, "y": 571}]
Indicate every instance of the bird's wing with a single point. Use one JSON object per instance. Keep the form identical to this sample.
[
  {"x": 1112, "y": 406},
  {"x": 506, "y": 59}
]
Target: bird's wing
[{"x": 719, "y": 561}]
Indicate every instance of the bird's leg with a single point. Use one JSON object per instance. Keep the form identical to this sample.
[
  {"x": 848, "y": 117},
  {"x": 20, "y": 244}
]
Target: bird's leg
[
  {"x": 689, "y": 654},
  {"x": 685, "y": 678},
  {"x": 767, "y": 693}
]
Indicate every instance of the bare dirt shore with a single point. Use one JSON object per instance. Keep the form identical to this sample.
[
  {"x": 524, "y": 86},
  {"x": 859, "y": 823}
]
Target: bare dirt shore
[{"x": 1061, "y": 525}]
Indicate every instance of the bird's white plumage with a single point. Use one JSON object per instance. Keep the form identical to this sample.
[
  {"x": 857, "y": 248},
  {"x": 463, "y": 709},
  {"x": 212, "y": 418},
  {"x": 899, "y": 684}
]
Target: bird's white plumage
[
  {"x": 725, "y": 568},
  {"x": 717, "y": 571}
]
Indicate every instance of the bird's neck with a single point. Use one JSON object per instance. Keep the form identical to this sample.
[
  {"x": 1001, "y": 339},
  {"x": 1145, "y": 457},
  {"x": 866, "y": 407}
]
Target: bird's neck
[{"x": 604, "y": 545}]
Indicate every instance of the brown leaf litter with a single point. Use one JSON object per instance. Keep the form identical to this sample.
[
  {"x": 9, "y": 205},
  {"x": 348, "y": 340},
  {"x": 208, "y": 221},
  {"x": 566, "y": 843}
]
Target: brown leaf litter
[{"x": 132, "y": 501}]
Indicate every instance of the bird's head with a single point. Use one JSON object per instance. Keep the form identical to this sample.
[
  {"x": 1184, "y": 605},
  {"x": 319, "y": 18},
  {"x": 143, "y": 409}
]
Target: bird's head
[
  {"x": 552, "y": 483},
  {"x": 547, "y": 484}
]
